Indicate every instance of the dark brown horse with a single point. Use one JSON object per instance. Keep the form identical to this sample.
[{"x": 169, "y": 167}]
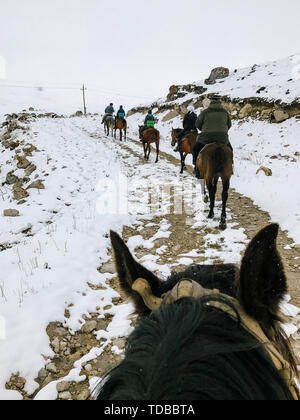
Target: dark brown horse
[
  {"x": 186, "y": 145},
  {"x": 148, "y": 136},
  {"x": 215, "y": 161},
  {"x": 121, "y": 125}
]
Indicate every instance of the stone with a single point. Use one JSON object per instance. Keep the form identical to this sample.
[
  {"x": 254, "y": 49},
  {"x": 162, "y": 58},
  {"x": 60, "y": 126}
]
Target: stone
[
  {"x": 36, "y": 185},
  {"x": 65, "y": 395},
  {"x": 42, "y": 375},
  {"x": 11, "y": 213},
  {"x": 108, "y": 267},
  {"x": 170, "y": 115},
  {"x": 245, "y": 111},
  {"x": 63, "y": 386},
  {"x": 51, "y": 368},
  {"x": 19, "y": 193},
  {"x": 217, "y": 73},
  {"x": 30, "y": 169},
  {"x": 83, "y": 396},
  {"x": 12, "y": 179},
  {"x": 280, "y": 116},
  {"x": 267, "y": 171},
  {"x": 89, "y": 327},
  {"x": 23, "y": 162}
]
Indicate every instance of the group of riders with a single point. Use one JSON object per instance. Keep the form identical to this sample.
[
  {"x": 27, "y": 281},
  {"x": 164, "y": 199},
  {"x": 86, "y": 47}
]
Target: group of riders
[
  {"x": 213, "y": 123},
  {"x": 109, "y": 112}
]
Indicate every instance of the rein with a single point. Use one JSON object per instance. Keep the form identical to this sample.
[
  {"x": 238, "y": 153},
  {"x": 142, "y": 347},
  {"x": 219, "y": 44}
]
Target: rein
[{"x": 190, "y": 288}]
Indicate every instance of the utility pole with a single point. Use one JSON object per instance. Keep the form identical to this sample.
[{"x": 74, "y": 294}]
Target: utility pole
[{"x": 83, "y": 94}]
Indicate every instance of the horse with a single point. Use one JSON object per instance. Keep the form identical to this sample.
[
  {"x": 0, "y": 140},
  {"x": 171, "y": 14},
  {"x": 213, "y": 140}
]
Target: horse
[
  {"x": 209, "y": 332},
  {"x": 215, "y": 161},
  {"x": 148, "y": 136},
  {"x": 186, "y": 145},
  {"x": 121, "y": 124},
  {"x": 109, "y": 124}
]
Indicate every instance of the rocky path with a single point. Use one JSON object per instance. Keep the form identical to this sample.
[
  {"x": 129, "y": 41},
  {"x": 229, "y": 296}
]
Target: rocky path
[{"x": 171, "y": 231}]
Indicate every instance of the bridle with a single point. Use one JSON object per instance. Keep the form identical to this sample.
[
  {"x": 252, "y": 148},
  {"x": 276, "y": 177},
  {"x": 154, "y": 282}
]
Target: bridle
[{"x": 190, "y": 288}]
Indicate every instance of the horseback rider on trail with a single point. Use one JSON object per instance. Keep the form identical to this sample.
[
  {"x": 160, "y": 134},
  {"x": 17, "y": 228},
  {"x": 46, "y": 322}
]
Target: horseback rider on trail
[
  {"x": 109, "y": 111},
  {"x": 149, "y": 122},
  {"x": 189, "y": 122},
  {"x": 120, "y": 114},
  {"x": 214, "y": 124}
]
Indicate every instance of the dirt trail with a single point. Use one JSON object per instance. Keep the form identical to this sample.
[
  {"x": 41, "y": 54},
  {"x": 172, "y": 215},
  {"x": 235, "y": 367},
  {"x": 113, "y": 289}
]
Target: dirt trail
[{"x": 167, "y": 240}]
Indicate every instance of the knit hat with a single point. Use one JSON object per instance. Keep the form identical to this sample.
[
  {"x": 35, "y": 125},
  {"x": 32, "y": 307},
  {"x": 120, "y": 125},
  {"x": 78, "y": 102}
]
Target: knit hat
[{"x": 190, "y": 108}]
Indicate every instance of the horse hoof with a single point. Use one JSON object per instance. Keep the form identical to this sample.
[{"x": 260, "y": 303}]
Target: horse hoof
[
  {"x": 210, "y": 216},
  {"x": 223, "y": 225},
  {"x": 205, "y": 199}
]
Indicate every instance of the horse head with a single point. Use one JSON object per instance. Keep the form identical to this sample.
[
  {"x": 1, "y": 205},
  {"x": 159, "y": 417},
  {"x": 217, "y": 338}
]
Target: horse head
[{"x": 182, "y": 340}]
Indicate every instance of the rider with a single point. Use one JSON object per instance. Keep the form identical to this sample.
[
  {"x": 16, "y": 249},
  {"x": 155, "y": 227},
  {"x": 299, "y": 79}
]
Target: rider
[
  {"x": 120, "y": 114},
  {"x": 189, "y": 122},
  {"x": 214, "y": 124},
  {"x": 149, "y": 122},
  {"x": 109, "y": 110}
]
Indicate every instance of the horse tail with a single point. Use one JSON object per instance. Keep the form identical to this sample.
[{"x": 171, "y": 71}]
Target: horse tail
[
  {"x": 157, "y": 135},
  {"x": 219, "y": 160}
]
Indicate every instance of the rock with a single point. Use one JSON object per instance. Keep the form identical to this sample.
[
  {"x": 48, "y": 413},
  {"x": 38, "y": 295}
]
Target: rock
[
  {"x": 51, "y": 368},
  {"x": 12, "y": 179},
  {"x": 267, "y": 171},
  {"x": 108, "y": 267},
  {"x": 206, "y": 103},
  {"x": 19, "y": 193},
  {"x": 30, "y": 169},
  {"x": 279, "y": 116},
  {"x": 83, "y": 396},
  {"x": 89, "y": 327},
  {"x": 172, "y": 93},
  {"x": 170, "y": 115},
  {"x": 63, "y": 386},
  {"x": 55, "y": 344},
  {"x": 65, "y": 395},
  {"x": 245, "y": 111},
  {"x": 217, "y": 73},
  {"x": 42, "y": 375},
  {"x": 78, "y": 114},
  {"x": 88, "y": 368},
  {"x": 120, "y": 342},
  {"x": 37, "y": 185},
  {"x": 23, "y": 162},
  {"x": 28, "y": 149},
  {"x": 11, "y": 213}
]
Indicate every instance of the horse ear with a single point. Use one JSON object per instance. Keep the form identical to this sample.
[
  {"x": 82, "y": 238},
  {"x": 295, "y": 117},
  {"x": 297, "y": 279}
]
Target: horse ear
[
  {"x": 130, "y": 270},
  {"x": 262, "y": 279}
]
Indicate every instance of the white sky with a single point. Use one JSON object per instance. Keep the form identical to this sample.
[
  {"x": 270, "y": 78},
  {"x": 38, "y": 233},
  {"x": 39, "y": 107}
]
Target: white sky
[{"x": 138, "y": 47}]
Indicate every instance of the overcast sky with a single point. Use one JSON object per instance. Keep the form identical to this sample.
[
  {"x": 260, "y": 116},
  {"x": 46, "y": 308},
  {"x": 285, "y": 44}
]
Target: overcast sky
[{"x": 138, "y": 47}]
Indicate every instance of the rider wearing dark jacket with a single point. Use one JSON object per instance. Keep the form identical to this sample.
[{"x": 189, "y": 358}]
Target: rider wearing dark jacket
[
  {"x": 189, "y": 124},
  {"x": 121, "y": 113},
  {"x": 109, "y": 110},
  {"x": 149, "y": 120},
  {"x": 214, "y": 124}
]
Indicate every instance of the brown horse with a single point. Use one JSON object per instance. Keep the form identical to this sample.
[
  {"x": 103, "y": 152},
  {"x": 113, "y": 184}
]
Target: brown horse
[
  {"x": 121, "y": 124},
  {"x": 148, "y": 136},
  {"x": 109, "y": 124},
  {"x": 215, "y": 161},
  {"x": 186, "y": 145}
]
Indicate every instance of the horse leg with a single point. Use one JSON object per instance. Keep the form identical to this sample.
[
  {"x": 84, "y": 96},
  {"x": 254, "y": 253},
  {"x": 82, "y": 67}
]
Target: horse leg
[
  {"x": 212, "y": 194},
  {"x": 182, "y": 158},
  {"x": 144, "y": 146},
  {"x": 157, "y": 151},
  {"x": 125, "y": 133},
  {"x": 148, "y": 151},
  {"x": 120, "y": 135},
  {"x": 223, "y": 224}
]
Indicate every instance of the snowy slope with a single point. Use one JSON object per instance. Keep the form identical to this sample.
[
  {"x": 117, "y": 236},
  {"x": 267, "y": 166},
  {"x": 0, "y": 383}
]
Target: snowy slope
[{"x": 276, "y": 80}]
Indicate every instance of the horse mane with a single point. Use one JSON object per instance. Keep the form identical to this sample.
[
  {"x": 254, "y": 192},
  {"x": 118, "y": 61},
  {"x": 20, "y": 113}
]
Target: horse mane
[{"x": 193, "y": 351}]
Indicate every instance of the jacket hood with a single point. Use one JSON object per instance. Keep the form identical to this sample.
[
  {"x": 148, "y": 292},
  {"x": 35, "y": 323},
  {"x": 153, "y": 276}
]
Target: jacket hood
[{"x": 215, "y": 104}]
